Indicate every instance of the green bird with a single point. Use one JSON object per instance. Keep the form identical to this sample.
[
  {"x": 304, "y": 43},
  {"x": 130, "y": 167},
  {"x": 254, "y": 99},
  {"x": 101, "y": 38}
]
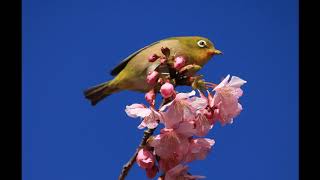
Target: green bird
[{"x": 131, "y": 73}]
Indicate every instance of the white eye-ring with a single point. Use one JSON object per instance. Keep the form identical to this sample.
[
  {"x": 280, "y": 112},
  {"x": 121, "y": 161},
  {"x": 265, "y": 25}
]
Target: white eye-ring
[{"x": 202, "y": 43}]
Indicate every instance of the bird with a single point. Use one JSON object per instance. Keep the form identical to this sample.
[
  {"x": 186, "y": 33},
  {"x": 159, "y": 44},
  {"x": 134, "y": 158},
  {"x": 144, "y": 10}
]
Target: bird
[{"x": 131, "y": 73}]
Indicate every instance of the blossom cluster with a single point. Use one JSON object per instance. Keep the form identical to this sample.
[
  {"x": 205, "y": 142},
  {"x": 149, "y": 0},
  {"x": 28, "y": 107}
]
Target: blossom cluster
[{"x": 187, "y": 118}]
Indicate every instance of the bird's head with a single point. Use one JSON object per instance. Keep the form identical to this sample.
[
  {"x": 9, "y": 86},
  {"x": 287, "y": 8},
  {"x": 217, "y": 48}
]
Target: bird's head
[{"x": 201, "y": 49}]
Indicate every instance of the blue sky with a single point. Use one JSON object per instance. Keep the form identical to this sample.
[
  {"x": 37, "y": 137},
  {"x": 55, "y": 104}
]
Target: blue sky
[{"x": 70, "y": 45}]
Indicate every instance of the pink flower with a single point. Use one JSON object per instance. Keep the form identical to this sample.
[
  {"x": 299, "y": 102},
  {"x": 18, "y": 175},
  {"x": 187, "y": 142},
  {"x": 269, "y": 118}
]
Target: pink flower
[
  {"x": 150, "y": 121},
  {"x": 234, "y": 82},
  {"x": 150, "y": 97},
  {"x": 180, "y": 172},
  {"x": 186, "y": 128},
  {"x": 204, "y": 119},
  {"x": 209, "y": 99},
  {"x": 152, "y": 172},
  {"x": 137, "y": 110},
  {"x": 226, "y": 99},
  {"x": 202, "y": 123},
  {"x": 153, "y": 58},
  {"x": 145, "y": 159},
  {"x": 198, "y": 149},
  {"x": 177, "y": 110},
  {"x": 182, "y": 108},
  {"x": 152, "y": 77},
  {"x": 149, "y": 115},
  {"x": 169, "y": 144},
  {"x": 199, "y": 103},
  {"x": 179, "y": 62},
  {"x": 167, "y": 90}
]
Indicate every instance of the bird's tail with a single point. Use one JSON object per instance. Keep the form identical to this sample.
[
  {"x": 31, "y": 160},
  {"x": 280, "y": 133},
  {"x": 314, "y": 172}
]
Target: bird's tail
[{"x": 99, "y": 92}]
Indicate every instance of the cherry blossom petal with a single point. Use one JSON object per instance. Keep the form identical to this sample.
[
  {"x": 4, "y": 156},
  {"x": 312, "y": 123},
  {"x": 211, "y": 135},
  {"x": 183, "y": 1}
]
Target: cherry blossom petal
[
  {"x": 179, "y": 62},
  {"x": 186, "y": 128},
  {"x": 202, "y": 125},
  {"x": 150, "y": 121},
  {"x": 169, "y": 143},
  {"x": 137, "y": 110},
  {"x": 198, "y": 149},
  {"x": 223, "y": 83},
  {"x": 152, "y": 77},
  {"x": 179, "y": 96},
  {"x": 236, "y": 82}
]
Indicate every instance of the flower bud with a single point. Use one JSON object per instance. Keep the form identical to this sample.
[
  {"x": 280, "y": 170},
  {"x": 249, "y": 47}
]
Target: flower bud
[
  {"x": 179, "y": 62},
  {"x": 167, "y": 90},
  {"x": 145, "y": 159},
  {"x": 152, "y": 77}
]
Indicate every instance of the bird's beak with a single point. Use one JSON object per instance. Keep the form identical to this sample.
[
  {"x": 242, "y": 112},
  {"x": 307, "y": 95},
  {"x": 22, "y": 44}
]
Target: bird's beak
[{"x": 214, "y": 51}]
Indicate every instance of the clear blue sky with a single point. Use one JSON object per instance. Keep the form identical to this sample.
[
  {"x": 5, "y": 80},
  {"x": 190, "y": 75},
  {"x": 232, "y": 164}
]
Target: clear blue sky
[{"x": 69, "y": 45}]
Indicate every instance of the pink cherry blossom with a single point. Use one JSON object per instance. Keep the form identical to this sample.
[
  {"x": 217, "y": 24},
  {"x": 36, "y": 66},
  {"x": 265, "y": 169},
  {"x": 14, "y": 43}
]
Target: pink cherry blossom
[
  {"x": 145, "y": 159},
  {"x": 186, "y": 128},
  {"x": 198, "y": 149},
  {"x": 167, "y": 90},
  {"x": 149, "y": 115},
  {"x": 151, "y": 121},
  {"x": 178, "y": 110},
  {"x": 180, "y": 172},
  {"x": 186, "y": 116},
  {"x": 182, "y": 115},
  {"x": 203, "y": 123},
  {"x": 152, "y": 77},
  {"x": 169, "y": 144},
  {"x": 179, "y": 62},
  {"x": 199, "y": 103},
  {"x": 137, "y": 110},
  {"x": 226, "y": 99},
  {"x": 205, "y": 117},
  {"x": 209, "y": 99}
]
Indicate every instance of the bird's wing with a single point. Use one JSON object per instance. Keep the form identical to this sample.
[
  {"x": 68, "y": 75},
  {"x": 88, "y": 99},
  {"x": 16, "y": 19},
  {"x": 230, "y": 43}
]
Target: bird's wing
[{"x": 116, "y": 70}]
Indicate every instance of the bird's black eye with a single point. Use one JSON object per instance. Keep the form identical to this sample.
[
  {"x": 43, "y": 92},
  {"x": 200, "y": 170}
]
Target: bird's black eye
[{"x": 202, "y": 43}]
